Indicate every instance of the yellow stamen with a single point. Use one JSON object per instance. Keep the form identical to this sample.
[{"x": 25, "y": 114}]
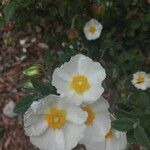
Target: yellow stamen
[
  {"x": 140, "y": 79},
  {"x": 80, "y": 84},
  {"x": 92, "y": 29},
  {"x": 56, "y": 118},
  {"x": 91, "y": 115},
  {"x": 109, "y": 135}
]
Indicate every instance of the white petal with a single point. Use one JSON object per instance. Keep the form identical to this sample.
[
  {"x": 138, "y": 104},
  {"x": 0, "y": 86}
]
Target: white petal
[
  {"x": 69, "y": 69},
  {"x": 93, "y": 70},
  {"x": 123, "y": 141},
  {"x": 100, "y": 105},
  {"x": 103, "y": 123},
  {"x": 93, "y": 93},
  {"x": 62, "y": 85},
  {"x": 46, "y": 141},
  {"x": 36, "y": 129},
  {"x": 59, "y": 140},
  {"x": 96, "y": 146},
  {"x": 49, "y": 140},
  {"x": 76, "y": 115},
  {"x": 112, "y": 144},
  {"x": 73, "y": 134},
  {"x": 77, "y": 99},
  {"x": 41, "y": 106},
  {"x": 92, "y": 134},
  {"x": 34, "y": 124}
]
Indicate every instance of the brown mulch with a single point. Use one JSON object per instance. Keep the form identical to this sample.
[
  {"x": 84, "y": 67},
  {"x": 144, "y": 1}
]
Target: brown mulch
[{"x": 12, "y": 62}]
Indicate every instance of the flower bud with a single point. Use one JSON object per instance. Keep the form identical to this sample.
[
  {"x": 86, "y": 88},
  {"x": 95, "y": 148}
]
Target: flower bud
[
  {"x": 72, "y": 34},
  {"x": 8, "y": 26},
  {"x": 28, "y": 85},
  {"x": 97, "y": 9},
  {"x": 34, "y": 70}
]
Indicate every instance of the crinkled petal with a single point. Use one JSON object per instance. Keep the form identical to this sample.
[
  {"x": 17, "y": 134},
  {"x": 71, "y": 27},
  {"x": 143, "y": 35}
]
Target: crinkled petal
[
  {"x": 49, "y": 140},
  {"x": 41, "y": 106},
  {"x": 73, "y": 134},
  {"x": 34, "y": 124},
  {"x": 36, "y": 129}
]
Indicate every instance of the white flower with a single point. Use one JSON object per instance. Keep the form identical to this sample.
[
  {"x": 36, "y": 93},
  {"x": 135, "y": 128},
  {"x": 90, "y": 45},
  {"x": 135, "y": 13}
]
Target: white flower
[
  {"x": 79, "y": 80},
  {"x": 9, "y": 109},
  {"x": 114, "y": 140},
  {"x": 141, "y": 80},
  {"x": 98, "y": 122},
  {"x": 92, "y": 29},
  {"x": 53, "y": 124}
]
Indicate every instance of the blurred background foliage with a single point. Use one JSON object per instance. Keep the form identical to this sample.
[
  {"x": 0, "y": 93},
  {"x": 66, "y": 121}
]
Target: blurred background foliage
[{"x": 122, "y": 49}]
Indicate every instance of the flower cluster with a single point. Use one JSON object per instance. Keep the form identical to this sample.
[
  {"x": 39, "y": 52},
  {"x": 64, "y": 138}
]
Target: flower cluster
[{"x": 78, "y": 115}]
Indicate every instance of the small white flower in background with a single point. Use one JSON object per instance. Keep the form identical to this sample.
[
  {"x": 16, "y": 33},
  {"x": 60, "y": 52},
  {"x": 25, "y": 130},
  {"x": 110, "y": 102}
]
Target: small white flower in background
[
  {"x": 141, "y": 80},
  {"x": 23, "y": 41},
  {"x": 80, "y": 80},
  {"x": 114, "y": 140},
  {"x": 98, "y": 122},
  {"x": 9, "y": 109},
  {"x": 53, "y": 124},
  {"x": 43, "y": 45},
  {"x": 92, "y": 29}
]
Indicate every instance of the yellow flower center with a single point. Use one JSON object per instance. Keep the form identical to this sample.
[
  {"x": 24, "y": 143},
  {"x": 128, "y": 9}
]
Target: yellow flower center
[
  {"x": 92, "y": 29},
  {"x": 109, "y": 135},
  {"x": 140, "y": 79},
  {"x": 56, "y": 118},
  {"x": 91, "y": 115},
  {"x": 80, "y": 84}
]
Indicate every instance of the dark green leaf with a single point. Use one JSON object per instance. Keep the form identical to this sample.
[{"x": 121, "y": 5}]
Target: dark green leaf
[
  {"x": 141, "y": 137},
  {"x": 43, "y": 88},
  {"x": 143, "y": 100},
  {"x": 123, "y": 124},
  {"x": 130, "y": 136},
  {"x": 9, "y": 11},
  {"x": 24, "y": 104},
  {"x": 62, "y": 8}
]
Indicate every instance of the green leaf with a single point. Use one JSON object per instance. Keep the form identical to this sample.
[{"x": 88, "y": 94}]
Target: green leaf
[
  {"x": 43, "y": 88},
  {"x": 24, "y": 104},
  {"x": 123, "y": 114},
  {"x": 2, "y": 22},
  {"x": 123, "y": 124},
  {"x": 130, "y": 136},
  {"x": 62, "y": 8},
  {"x": 143, "y": 100},
  {"x": 9, "y": 11},
  {"x": 141, "y": 137}
]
